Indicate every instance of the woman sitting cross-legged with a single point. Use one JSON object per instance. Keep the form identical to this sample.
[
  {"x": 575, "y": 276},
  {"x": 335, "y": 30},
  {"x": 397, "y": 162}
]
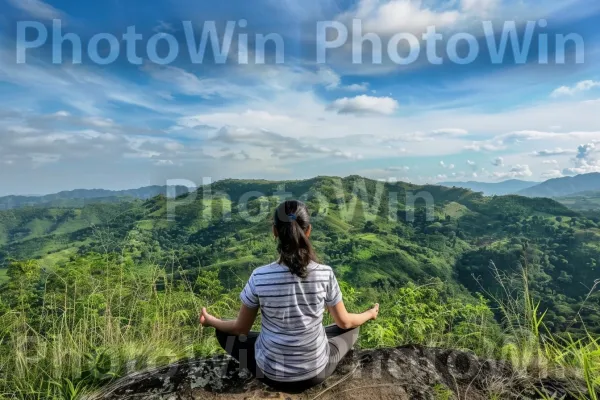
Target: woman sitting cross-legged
[{"x": 293, "y": 351}]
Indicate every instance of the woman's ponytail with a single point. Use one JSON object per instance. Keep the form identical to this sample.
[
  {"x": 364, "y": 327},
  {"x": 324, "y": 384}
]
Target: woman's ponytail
[{"x": 292, "y": 222}]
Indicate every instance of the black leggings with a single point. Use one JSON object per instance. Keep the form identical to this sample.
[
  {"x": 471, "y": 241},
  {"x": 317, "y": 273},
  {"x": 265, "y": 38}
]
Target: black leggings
[{"x": 241, "y": 348}]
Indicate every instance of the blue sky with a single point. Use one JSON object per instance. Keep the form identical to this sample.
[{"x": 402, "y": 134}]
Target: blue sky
[{"x": 122, "y": 125}]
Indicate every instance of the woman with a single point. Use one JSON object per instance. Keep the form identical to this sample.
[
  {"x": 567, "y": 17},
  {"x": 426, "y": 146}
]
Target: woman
[{"x": 293, "y": 351}]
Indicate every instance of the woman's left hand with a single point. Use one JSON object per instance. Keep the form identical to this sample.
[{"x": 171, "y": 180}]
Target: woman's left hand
[{"x": 205, "y": 318}]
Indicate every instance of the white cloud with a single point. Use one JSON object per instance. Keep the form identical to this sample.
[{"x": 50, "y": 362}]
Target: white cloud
[
  {"x": 66, "y": 138},
  {"x": 480, "y": 8},
  {"x": 527, "y": 135},
  {"x": 397, "y": 169},
  {"x": 498, "y": 162},
  {"x": 519, "y": 136},
  {"x": 390, "y": 17},
  {"x": 449, "y": 132},
  {"x": 357, "y": 87},
  {"x": 555, "y": 152},
  {"x": 164, "y": 163},
  {"x": 582, "y": 168},
  {"x": 517, "y": 171},
  {"x": 553, "y": 173},
  {"x": 62, "y": 114},
  {"x": 471, "y": 163},
  {"x": 296, "y": 110},
  {"x": 41, "y": 159},
  {"x": 37, "y": 9},
  {"x": 363, "y": 104},
  {"x": 187, "y": 83},
  {"x": 447, "y": 166},
  {"x": 582, "y": 86},
  {"x": 332, "y": 81},
  {"x": 329, "y": 78},
  {"x": 270, "y": 145},
  {"x": 584, "y": 162},
  {"x": 585, "y": 150},
  {"x": 251, "y": 119},
  {"x": 484, "y": 146},
  {"x": 163, "y": 26}
]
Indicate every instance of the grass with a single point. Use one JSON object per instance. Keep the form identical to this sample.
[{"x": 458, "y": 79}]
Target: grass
[
  {"x": 455, "y": 210},
  {"x": 104, "y": 317},
  {"x": 535, "y": 352},
  {"x": 585, "y": 201},
  {"x": 3, "y": 275},
  {"x": 38, "y": 228},
  {"x": 58, "y": 257},
  {"x": 101, "y": 320},
  {"x": 95, "y": 326}
]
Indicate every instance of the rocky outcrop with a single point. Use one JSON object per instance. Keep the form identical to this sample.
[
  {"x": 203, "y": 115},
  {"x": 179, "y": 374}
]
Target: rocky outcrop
[{"x": 402, "y": 373}]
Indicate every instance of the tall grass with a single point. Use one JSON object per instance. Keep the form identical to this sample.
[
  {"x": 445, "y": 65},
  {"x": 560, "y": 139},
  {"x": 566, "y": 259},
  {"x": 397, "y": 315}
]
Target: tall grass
[
  {"x": 66, "y": 332},
  {"x": 93, "y": 320},
  {"x": 536, "y": 353}
]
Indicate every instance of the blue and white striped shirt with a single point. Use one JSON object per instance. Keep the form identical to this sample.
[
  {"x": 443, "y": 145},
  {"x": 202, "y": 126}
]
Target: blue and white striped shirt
[{"x": 292, "y": 345}]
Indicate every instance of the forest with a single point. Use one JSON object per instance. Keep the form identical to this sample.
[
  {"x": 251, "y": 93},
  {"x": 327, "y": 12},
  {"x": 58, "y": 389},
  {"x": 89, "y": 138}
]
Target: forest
[{"x": 90, "y": 293}]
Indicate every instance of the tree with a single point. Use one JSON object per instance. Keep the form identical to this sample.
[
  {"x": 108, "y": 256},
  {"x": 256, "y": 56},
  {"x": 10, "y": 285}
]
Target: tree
[
  {"x": 208, "y": 286},
  {"x": 24, "y": 276}
]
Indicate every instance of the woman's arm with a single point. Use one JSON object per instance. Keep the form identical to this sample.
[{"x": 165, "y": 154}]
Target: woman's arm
[
  {"x": 239, "y": 326},
  {"x": 346, "y": 320}
]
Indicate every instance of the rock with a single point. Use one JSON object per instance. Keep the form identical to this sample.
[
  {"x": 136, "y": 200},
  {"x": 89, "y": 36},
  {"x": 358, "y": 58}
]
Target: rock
[{"x": 404, "y": 373}]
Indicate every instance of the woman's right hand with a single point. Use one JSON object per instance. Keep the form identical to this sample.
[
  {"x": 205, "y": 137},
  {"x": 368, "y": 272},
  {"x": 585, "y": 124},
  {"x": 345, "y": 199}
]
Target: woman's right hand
[
  {"x": 374, "y": 311},
  {"x": 206, "y": 319}
]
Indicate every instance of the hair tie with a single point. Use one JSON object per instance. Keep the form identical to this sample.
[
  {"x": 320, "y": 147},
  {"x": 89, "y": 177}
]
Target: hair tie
[{"x": 292, "y": 217}]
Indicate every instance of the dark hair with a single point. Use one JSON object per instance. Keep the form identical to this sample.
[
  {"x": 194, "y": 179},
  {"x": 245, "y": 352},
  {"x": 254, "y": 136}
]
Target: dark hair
[{"x": 292, "y": 221}]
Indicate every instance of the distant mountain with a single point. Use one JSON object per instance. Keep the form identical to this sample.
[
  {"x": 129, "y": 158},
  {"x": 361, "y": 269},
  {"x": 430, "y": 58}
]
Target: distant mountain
[
  {"x": 560, "y": 187},
  {"x": 493, "y": 189},
  {"x": 375, "y": 235},
  {"x": 79, "y": 197}
]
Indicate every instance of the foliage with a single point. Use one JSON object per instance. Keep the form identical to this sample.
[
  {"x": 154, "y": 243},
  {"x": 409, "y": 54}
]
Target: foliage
[
  {"x": 88, "y": 294},
  {"x": 92, "y": 319}
]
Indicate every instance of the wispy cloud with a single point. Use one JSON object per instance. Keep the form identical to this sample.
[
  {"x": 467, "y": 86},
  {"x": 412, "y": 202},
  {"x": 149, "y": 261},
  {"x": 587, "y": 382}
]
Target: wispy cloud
[
  {"x": 583, "y": 86},
  {"x": 262, "y": 120},
  {"x": 364, "y": 105},
  {"x": 498, "y": 162},
  {"x": 516, "y": 171},
  {"x": 37, "y": 9},
  {"x": 553, "y": 152}
]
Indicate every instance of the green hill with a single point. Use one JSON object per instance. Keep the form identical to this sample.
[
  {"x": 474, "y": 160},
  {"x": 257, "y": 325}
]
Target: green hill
[
  {"x": 511, "y": 186},
  {"x": 583, "y": 201},
  {"x": 35, "y": 232},
  {"x": 374, "y": 234},
  {"x": 80, "y": 197},
  {"x": 111, "y": 288}
]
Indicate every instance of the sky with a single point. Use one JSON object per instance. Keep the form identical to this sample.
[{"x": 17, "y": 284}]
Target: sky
[{"x": 126, "y": 124}]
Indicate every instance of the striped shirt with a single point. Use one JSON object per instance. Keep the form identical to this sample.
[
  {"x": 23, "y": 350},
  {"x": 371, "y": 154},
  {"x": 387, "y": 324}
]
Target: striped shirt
[{"x": 292, "y": 345}]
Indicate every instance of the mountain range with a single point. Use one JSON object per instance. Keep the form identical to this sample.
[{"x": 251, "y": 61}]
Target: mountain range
[
  {"x": 373, "y": 232},
  {"x": 566, "y": 186},
  {"x": 558, "y": 187},
  {"x": 553, "y": 188},
  {"x": 79, "y": 197},
  {"x": 437, "y": 265}
]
